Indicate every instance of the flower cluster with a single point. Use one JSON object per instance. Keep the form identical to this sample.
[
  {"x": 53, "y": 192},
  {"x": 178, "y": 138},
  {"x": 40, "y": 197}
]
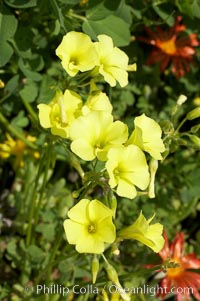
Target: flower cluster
[
  {"x": 93, "y": 133},
  {"x": 78, "y": 53}
]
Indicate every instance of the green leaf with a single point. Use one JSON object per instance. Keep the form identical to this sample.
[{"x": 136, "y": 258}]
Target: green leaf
[
  {"x": 102, "y": 10},
  {"x": 8, "y": 25},
  {"x": 29, "y": 91},
  {"x": 46, "y": 94},
  {"x": 6, "y": 52},
  {"x": 20, "y": 121},
  {"x": 58, "y": 12},
  {"x": 189, "y": 7},
  {"x": 47, "y": 230},
  {"x": 21, "y": 3},
  {"x": 12, "y": 84},
  {"x": 35, "y": 76},
  {"x": 112, "y": 26},
  {"x": 124, "y": 12},
  {"x": 164, "y": 15},
  {"x": 36, "y": 254}
]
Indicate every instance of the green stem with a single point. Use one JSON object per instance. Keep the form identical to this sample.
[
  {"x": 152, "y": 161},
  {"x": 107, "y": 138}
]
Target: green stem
[
  {"x": 30, "y": 110},
  {"x": 106, "y": 261},
  {"x": 47, "y": 165},
  {"x": 77, "y": 16},
  {"x": 33, "y": 201},
  {"x": 11, "y": 129},
  {"x": 53, "y": 255},
  {"x": 180, "y": 125}
]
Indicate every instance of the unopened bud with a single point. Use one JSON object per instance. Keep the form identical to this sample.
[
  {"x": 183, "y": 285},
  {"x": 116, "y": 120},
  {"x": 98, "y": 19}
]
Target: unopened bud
[
  {"x": 182, "y": 98},
  {"x": 195, "y": 140},
  {"x": 132, "y": 67},
  {"x": 195, "y": 113},
  {"x": 195, "y": 128},
  {"x": 113, "y": 205},
  {"x": 153, "y": 166},
  {"x": 196, "y": 101},
  {"x": 95, "y": 268},
  {"x": 75, "y": 194},
  {"x": 2, "y": 85},
  {"x": 113, "y": 276}
]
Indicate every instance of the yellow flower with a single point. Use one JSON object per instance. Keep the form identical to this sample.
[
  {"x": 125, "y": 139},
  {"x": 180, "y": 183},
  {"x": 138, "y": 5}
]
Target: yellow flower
[
  {"x": 89, "y": 226},
  {"x": 141, "y": 230},
  {"x": 16, "y": 148},
  {"x": 60, "y": 112},
  {"x": 97, "y": 101},
  {"x": 77, "y": 53},
  {"x": 95, "y": 133},
  {"x": 127, "y": 168},
  {"x": 113, "y": 62},
  {"x": 147, "y": 135}
]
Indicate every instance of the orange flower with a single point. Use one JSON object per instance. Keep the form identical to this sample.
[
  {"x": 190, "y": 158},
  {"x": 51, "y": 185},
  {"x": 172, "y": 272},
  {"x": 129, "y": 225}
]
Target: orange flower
[
  {"x": 179, "y": 280},
  {"x": 170, "y": 47}
]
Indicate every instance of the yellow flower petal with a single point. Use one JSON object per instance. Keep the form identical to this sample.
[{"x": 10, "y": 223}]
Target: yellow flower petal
[
  {"x": 96, "y": 133},
  {"x": 44, "y": 115},
  {"x": 147, "y": 135},
  {"x": 90, "y": 226},
  {"x": 79, "y": 213},
  {"x": 83, "y": 149},
  {"x": 77, "y": 53},
  {"x": 60, "y": 112},
  {"x": 97, "y": 101},
  {"x": 113, "y": 62},
  {"x": 127, "y": 189},
  {"x": 141, "y": 230},
  {"x": 127, "y": 168}
]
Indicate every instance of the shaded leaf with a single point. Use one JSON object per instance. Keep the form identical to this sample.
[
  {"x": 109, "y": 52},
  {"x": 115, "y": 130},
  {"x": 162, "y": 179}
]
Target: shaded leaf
[
  {"x": 21, "y": 3},
  {"x": 36, "y": 254},
  {"x": 6, "y": 52},
  {"x": 27, "y": 72},
  {"x": 29, "y": 91},
  {"x": 20, "y": 120},
  {"x": 112, "y": 26},
  {"x": 12, "y": 84},
  {"x": 8, "y": 25}
]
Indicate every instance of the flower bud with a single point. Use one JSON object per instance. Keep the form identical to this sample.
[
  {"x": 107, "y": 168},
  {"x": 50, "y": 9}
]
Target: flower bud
[
  {"x": 132, "y": 67},
  {"x": 113, "y": 276},
  {"x": 182, "y": 98},
  {"x": 153, "y": 166},
  {"x": 195, "y": 113},
  {"x": 2, "y": 85},
  {"x": 195, "y": 128},
  {"x": 195, "y": 140},
  {"x": 95, "y": 268}
]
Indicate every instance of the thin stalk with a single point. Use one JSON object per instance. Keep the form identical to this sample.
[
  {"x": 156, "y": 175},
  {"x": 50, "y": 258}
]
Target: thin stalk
[
  {"x": 47, "y": 165},
  {"x": 33, "y": 201},
  {"x": 30, "y": 110},
  {"x": 180, "y": 125}
]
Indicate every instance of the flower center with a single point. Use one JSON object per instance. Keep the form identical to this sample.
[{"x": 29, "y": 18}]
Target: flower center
[
  {"x": 175, "y": 272},
  {"x": 168, "y": 46},
  {"x": 92, "y": 228}
]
